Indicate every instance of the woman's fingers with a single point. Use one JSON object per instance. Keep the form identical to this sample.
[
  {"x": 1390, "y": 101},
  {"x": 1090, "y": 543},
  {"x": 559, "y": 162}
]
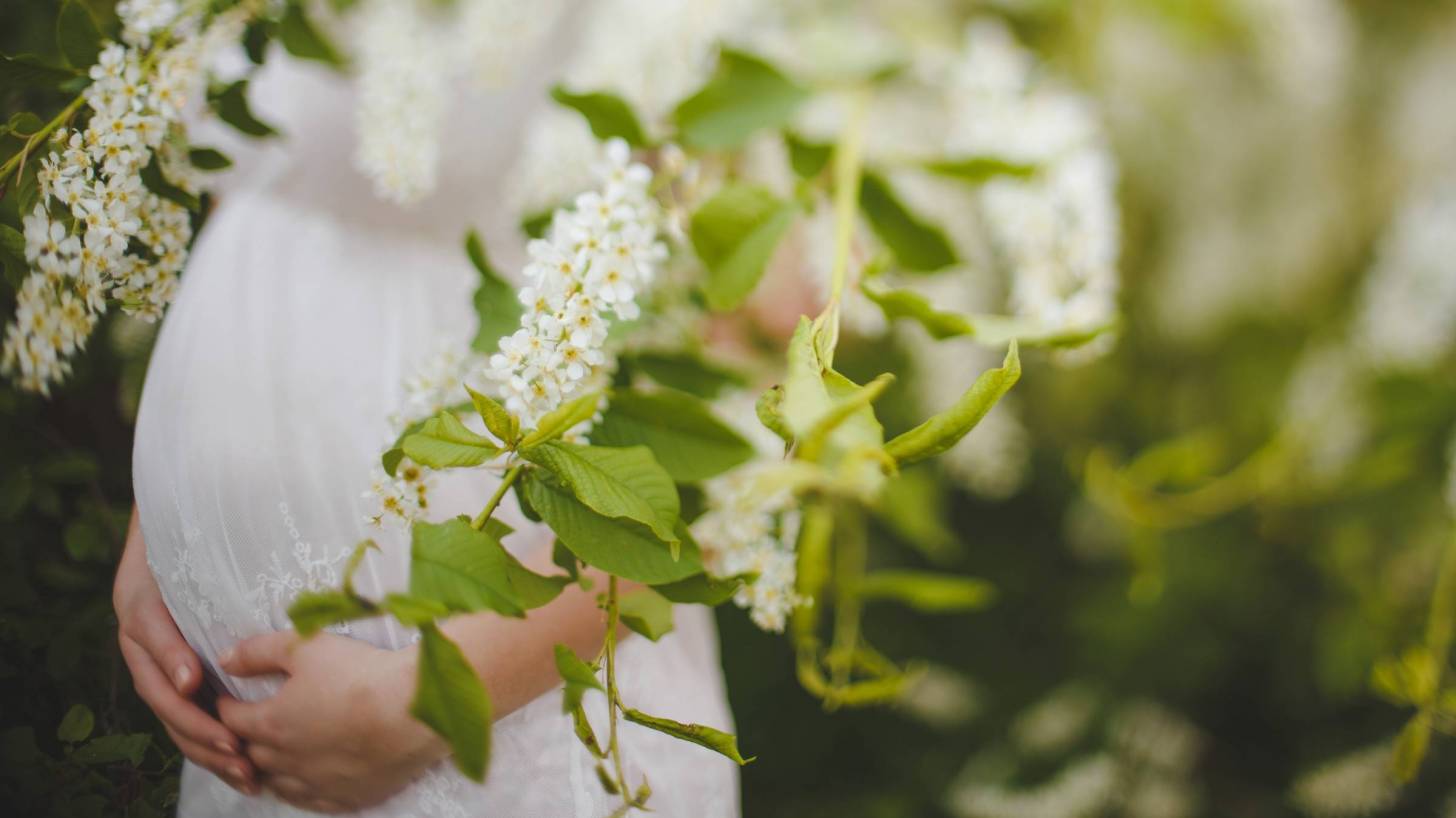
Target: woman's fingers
[
  {"x": 152, "y": 627},
  {"x": 298, "y": 793},
  {"x": 268, "y": 760},
  {"x": 236, "y": 772},
  {"x": 176, "y": 712},
  {"x": 253, "y": 721},
  {"x": 261, "y": 655}
]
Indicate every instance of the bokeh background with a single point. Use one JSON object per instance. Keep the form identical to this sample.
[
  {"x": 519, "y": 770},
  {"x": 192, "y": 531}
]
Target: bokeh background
[{"x": 1203, "y": 541}]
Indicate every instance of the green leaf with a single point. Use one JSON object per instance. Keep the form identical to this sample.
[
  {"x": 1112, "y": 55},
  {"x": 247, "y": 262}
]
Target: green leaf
[
  {"x": 504, "y": 425},
  {"x": 769, "y": 409},
  {"x": 303, "y": 40},
  {"x": 23, "y": 124},
  {"x": 744, "y": 95},
  {"x": 209, "y": 159},
  {"x": 1409, "y": 679},
  {"x": 578, "y": 676},
  {"x": 413, "y": 611},
  {"x": 805, "y": 398},
  {"x": 356, "y": 559},
  {"x": 131, "y": 748},
  {"x": 562, "y": 558},
  {"x": 450, "y": 699},
  {"x": 443, "y": 442},
  {"x": 496, "y": 305},
  {"x": 916, "y": 244},
  {"x": 76, "y": 725},
  {"x": 1410, "y": 748},
  {"x": 614, "y": 482},
  {"x": 608, "y": 115},
  {"x": 815, "y": 394},
  {"x": 313, "y": 611},
  {"x": 735, "y": 234},
  {"x": 231, "y": 105},
  {"x": 929, "y": 592},
  {"x": 852, "y": 407},
  {"x": 584, "y": 732},
  {"x": 467, "y": 570},
  {"x": 715, "y": 740},
  {"x": 700, "y": 589},
  {"x": 898, "y": 304},
  {"x": 686, "y": 372},
  {"x": 560, "y": 420},
  {"x": 680, "y": 430},
  {"x": 647, "y": 613},
  {"x": 27, "y": 190},
  {"x": 255, "y": 40},
  {"x": 944, "y": 430},
  {"x": 534, "y": 225},
  {"x": 978, "y": 169},
  {"x": 992, "y": 330},
  {"x": 157, "y": 182},
  {"x": 12, "y": 253},
  {"x": 30, "y": 71},
  {"x": 77, "y": 37},
  {"x": 618, "y": 546},
  {"x": 808, "y": 159}
]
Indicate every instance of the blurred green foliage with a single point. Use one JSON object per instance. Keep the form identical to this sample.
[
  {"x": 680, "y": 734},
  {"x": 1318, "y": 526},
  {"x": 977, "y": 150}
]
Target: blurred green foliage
[{"x": 1256, "y": 628}]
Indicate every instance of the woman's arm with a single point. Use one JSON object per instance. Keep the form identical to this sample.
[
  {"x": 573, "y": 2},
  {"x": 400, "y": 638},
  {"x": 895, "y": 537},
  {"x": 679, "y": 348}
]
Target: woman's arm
[
  {"x": 166, "y": 672},
  {"x": 338, "y": 735}
]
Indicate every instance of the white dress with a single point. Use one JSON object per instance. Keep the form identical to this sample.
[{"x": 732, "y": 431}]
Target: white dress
[{"x": 306, "y": 303}]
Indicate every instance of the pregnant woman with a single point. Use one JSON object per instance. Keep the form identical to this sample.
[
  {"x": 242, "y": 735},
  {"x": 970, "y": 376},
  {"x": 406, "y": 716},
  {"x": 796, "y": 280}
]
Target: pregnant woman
[{"x": 306, "y": 305}]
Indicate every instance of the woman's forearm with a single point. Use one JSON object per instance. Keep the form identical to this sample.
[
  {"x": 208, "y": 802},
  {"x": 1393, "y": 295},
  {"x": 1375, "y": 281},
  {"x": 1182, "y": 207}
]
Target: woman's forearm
[{"x": 515, "y": 657}]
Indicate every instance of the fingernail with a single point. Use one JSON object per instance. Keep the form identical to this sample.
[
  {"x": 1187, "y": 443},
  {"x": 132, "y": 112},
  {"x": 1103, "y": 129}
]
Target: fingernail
[
  {"x": 182, "y": 674},
  {"x": 227, "y": 657},
  {"x": 240, "y": 774},
  {"x": 226, "y": 747}
]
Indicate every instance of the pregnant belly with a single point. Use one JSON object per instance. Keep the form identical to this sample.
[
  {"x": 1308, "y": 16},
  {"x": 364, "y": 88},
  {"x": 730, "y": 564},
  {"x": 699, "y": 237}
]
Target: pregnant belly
[{"x": 266, "y": 406}]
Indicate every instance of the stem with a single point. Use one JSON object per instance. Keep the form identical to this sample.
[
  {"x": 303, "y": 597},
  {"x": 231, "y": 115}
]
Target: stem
[
  {"x": 849, "y": 568},
  {"x": 39, "y": 136},
  {"x": 848, "y": 167},
  {"x": 500, "y": 491},
  {"x": 1442, "y": 622},
  {"x": 613, "y": 703}
]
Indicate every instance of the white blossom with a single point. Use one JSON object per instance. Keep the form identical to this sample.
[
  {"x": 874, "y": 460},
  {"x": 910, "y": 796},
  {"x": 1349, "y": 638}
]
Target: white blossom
[
  {"x": 402, "y": 98},
  {"x": 596, "y": 257},
  {"x": 1058, "y": 231},
  {"x": 1406, "y": 317},
  {"x": 1352, "y": 785},
  {"x": 437, "y": 384},
  {"x": 140, "y": 19},
  {"x": 1326, "y": 417},
  {"x": 750, "y": 527},
  {"x": 399, "y": 499},
  {"x": 92, "y": 175}
]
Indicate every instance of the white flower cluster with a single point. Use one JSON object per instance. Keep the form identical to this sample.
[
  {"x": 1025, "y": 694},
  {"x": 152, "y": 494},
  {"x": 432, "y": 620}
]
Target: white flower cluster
[
  {"x": 1406, "y": 318},
  {"x": 97, "y": 230},
  {"x": 1349, "y": 786},
  {"x": 398, "y": 499},
  {"x": 1058, "y": 230},
  {"x": 749, "y": 529},
  {"x": 403, "y": 93},
  {"x": 140, "y": 19},
  {"x": 596, "y": 257},
  {"x": 436, "y": 385}
]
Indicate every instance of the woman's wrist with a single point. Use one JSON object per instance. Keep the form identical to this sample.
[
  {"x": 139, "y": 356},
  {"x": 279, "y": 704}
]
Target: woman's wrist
[{"x": 392, "y": 693}]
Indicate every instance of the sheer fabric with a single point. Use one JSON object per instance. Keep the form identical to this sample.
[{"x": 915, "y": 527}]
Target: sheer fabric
[{"x": 306, "y": 304}]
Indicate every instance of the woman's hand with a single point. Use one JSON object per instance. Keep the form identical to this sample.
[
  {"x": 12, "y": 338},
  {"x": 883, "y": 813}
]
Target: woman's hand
[
  {"x": 166, "y": 672},
  {"x": 338, "y": 735}
]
